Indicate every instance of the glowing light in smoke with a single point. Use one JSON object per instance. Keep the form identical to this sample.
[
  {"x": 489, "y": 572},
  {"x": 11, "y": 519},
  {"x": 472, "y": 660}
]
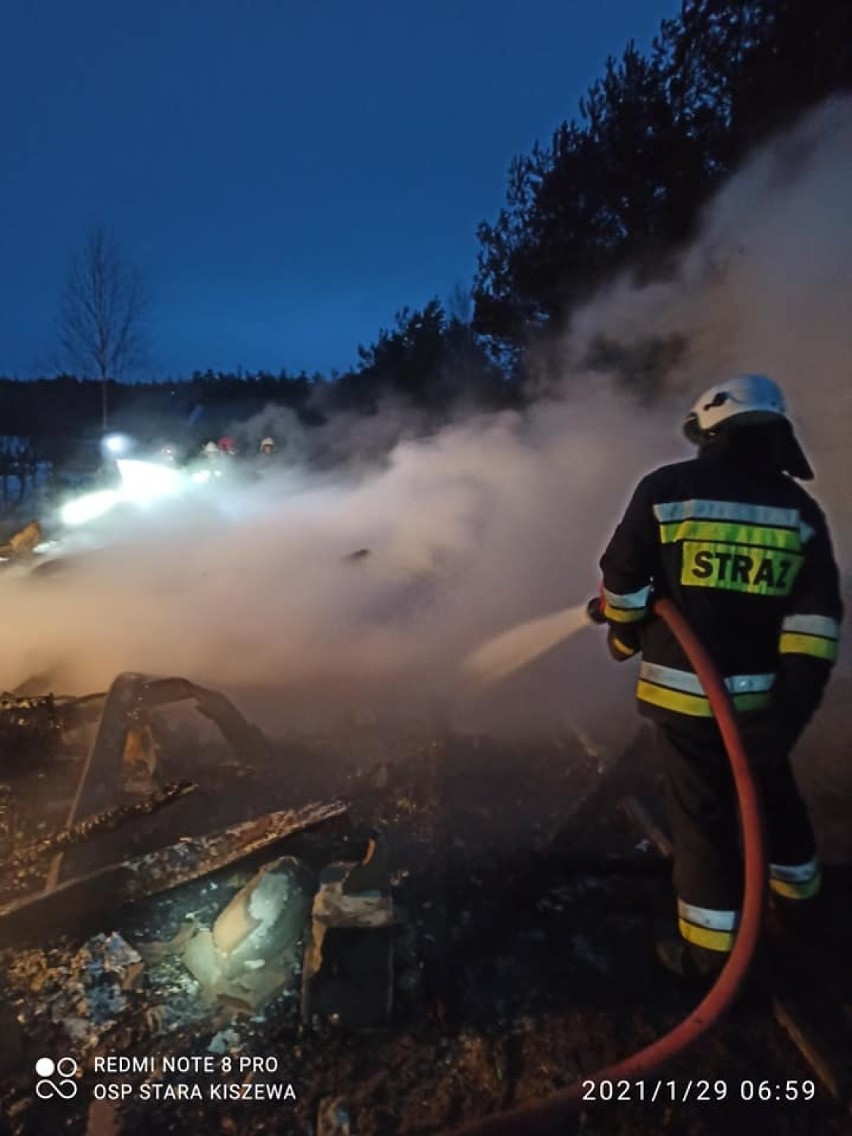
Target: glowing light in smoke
[
  {"x": 116, "y": 444},
  {"x": 89, "y": 507},
  {"x": 142, "y": 482}
]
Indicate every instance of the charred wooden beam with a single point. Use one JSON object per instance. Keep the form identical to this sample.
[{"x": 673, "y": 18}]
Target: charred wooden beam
[
  {"x": 812, "y": 1047},
  {"x": 107, "y": 821},
  {"x": 52, "y": 912},
  {"x": 129, "y": 698}
]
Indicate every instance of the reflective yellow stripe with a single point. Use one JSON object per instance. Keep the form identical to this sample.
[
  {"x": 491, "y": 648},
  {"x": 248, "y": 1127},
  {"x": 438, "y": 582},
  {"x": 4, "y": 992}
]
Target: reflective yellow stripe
[
  {"x": 803, "y": 890},
  {"x": 695, "y": 705},
  {"x": 758, "y": 535},
  {"x": 793, "y": 643},
  {"x": 704, "y": 937},
  {"x": 622, "y": 614},
  {"x": 622, "y": 647}
]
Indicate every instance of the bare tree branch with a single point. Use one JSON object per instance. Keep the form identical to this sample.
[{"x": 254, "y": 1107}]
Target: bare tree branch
[{"x": 102, "y": 312}]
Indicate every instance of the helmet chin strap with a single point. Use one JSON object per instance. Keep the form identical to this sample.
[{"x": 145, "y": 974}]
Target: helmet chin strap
[{"x": 692, "y": 431}]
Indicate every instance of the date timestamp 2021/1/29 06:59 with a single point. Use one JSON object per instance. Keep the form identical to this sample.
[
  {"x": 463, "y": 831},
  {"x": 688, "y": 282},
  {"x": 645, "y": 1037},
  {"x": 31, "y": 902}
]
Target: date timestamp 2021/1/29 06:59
[{"x": 697, "y": 1091}]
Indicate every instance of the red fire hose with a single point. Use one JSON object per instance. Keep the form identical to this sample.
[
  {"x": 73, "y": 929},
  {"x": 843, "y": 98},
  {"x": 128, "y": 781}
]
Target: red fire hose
[{"x": 549, "y": 1115}]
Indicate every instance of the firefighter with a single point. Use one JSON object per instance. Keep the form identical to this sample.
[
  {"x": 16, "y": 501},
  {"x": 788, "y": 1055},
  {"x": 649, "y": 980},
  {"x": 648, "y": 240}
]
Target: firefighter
[
  {"x": 267, "y": 448},
  {"x": 746, "y": 555}
]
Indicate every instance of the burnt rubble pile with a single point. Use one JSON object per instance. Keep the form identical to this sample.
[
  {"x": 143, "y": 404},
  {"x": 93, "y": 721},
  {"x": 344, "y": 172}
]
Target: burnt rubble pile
[
  {"x": 416, "y": 942},
  {"x": 201, "y": 936},
  {"x": 83, "y": 992},
  {"x": 264, "y": 932}
]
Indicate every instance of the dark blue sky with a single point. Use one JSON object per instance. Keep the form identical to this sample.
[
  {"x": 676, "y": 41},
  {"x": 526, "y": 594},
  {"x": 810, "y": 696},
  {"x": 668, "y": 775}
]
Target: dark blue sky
[{"x": 285, "y": 175}]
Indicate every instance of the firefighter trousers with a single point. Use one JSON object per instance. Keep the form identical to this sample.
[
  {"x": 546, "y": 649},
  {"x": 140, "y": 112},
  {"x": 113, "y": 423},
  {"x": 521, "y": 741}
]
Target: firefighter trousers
[{"x": 704, "y": 819}]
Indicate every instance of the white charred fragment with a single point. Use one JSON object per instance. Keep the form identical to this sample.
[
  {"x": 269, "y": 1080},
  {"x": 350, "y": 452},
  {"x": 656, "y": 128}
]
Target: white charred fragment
[
  {"x": 333, "y": 908},
  {"x": 252, "y": 950}
]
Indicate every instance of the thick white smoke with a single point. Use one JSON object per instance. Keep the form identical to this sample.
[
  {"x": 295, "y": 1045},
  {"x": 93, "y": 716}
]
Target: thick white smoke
[
  {"x": 768, "y": 287},
  {"x": 494, "y": 521}
]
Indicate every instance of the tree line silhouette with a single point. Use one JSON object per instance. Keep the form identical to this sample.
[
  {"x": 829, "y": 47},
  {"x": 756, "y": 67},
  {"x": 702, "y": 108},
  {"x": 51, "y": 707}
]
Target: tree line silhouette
[{"x": 624, "y": 186}]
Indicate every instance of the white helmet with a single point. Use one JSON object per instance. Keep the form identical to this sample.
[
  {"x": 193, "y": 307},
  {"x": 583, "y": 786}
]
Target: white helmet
[
  {"x": 745, "y": 400},
  {"x": 210, "y": 448},
  {"x": 268, "y": 443},
  {"x": 755, "y": 395}
]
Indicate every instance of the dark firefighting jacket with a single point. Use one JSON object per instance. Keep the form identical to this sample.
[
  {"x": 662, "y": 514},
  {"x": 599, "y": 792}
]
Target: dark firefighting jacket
[{"x": 745, "y": 554}]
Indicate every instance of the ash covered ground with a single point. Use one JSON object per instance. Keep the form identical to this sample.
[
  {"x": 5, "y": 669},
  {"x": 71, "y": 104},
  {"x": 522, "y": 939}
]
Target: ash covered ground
[{"x": 523, "y": 955}]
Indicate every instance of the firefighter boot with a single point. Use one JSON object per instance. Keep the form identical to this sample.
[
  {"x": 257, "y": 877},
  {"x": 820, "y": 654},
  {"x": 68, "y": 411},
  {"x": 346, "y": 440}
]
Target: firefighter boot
[
  {"x": 691, "y": 962},
  {"x": 802, "y": 938}
]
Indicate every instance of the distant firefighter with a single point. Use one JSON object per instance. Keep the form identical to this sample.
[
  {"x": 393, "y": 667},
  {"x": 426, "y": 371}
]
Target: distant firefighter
[
  {"x": 267, "y": 447},
  {"x": 228, "y": 446}
]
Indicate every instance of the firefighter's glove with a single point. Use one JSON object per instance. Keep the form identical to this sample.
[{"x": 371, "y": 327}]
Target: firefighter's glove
[{"x": 623, "y": 643}]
